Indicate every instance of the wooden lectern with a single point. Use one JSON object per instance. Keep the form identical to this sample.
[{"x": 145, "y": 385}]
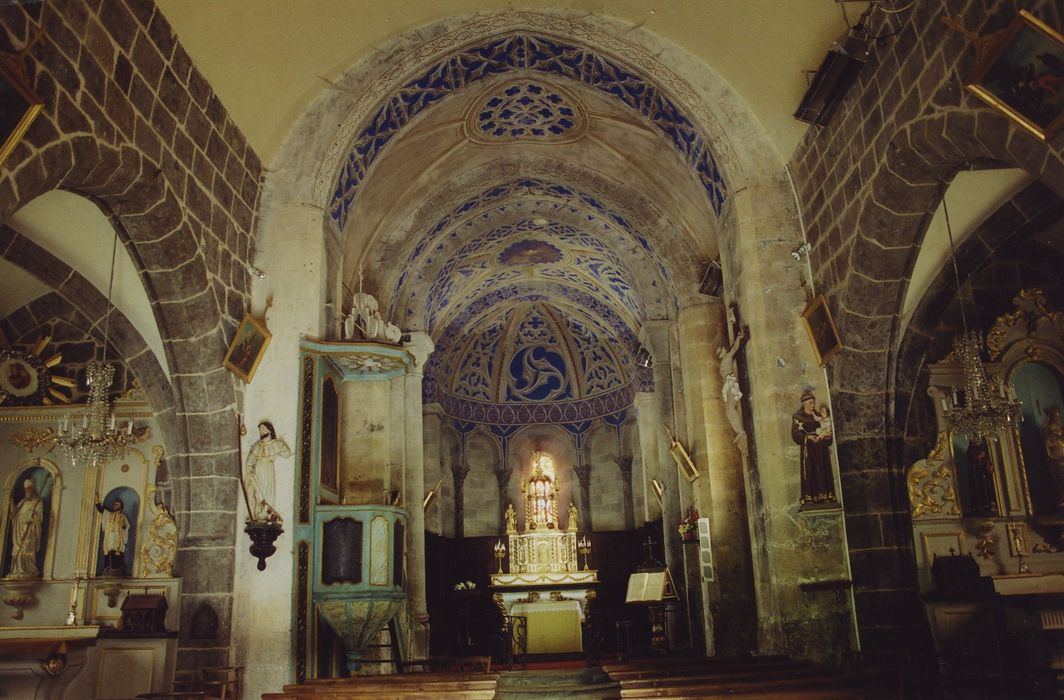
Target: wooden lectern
[{"x": 653, "y": 589}]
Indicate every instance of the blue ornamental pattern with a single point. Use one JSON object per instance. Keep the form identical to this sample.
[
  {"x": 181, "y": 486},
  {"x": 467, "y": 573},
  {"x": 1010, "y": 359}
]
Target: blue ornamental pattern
[
  {"x": 525, "y": 111},
  {"x": 468, "y": 274},
  {"x": 539, "y": 412},
  {"x": 478, "y": 363},
  {"x": 548, "y": 356},
  {"x": 525, "y": 53},
  {"x": 599, "y": 367},
  {"x": 627, "y": 340},
  {"x": 431, "y": 243},
  {"x": 538, "y": 374}
]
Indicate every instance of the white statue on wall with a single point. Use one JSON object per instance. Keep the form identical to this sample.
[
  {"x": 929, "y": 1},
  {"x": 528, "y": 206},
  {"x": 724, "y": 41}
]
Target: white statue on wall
[
  {"x": 260, "y": 475},
  {"x": 366, "y": 317},
  {"x": 26, "y": 524}
]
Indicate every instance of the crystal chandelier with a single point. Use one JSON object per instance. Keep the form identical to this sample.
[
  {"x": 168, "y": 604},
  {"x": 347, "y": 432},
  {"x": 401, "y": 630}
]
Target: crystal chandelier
[
  {"x": 988, "y": 404},
  {"x": 97, "y": 440}
]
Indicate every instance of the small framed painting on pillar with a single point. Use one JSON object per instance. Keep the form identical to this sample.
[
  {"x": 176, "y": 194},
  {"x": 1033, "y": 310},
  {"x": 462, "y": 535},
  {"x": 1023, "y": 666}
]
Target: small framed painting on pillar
[
  {"x": 18, "y": 105},
  {"x": 680, "y": 456},
  {"x": 248, "y": 347},
  {"x": 821, "y": 328}
]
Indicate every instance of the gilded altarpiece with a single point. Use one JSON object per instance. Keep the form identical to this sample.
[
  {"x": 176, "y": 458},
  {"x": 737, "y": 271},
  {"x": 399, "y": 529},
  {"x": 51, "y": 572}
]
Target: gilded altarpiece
[
  {"x": 64, "y": 595},
  {"x": 999, "y": 501}
]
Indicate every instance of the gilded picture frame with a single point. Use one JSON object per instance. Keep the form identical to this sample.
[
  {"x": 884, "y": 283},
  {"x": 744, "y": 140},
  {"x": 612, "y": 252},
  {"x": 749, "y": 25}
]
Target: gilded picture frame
[
  {"x": 247, "y": 348},
  {"x": 1021, "y": 75},
  {"x": 823, "y": 334},
  {"x": 683, "y": 461},
  {"x": 18, "y": 106}
]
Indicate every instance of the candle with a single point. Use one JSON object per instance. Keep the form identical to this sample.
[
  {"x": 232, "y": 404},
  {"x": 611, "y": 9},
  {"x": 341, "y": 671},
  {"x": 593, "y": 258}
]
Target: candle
[{"x": 129, "y": 427}]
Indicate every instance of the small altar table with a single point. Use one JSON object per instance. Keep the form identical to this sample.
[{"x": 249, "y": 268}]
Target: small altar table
[{"x": 554, "y": 626}]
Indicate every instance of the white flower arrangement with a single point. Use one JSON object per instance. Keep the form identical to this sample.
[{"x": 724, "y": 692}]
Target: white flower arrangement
[{"x": 465, "y": 586}]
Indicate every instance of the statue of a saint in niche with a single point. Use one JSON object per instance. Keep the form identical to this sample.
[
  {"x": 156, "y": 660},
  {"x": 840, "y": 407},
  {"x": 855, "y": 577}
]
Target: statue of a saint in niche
[{"x": 27, "y": 518}]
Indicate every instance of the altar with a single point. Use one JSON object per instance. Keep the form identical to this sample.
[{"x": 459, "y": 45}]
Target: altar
[
  {"x": 545, "y": 584},
  {"x": 554, "y": 626}
]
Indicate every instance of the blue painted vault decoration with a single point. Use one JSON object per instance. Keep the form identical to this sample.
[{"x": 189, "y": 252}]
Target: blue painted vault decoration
[
  {"x": 535, "y": 320},
  {"x": 486, "y": 261},
  {"x": 604, "y": 230},
  {"x": 533, "y": 362},
  {"x": 526, "y": 111},
  {"x": 528, "y": 53}
]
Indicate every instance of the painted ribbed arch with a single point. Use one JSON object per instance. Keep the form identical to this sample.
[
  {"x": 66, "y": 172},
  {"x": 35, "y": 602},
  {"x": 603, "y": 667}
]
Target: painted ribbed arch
[
  {"x": 485, "y": 205},
  {"x": 583, "y": 261},
  {"x": 562, "y": 58},
  {"x": 582, "y": 354},
  {"x": 483, "y": 312}
]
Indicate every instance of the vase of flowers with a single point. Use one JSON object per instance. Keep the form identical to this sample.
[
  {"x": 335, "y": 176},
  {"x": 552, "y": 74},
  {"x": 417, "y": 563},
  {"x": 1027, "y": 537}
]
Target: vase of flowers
[{"x": 688, "y": 527}]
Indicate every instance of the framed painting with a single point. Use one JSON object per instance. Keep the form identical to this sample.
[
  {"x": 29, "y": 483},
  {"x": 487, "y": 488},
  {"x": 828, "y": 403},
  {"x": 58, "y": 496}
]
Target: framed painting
[
  {"x": 821, "y": 328},
  {"x": 248, "y": 347},
  {"x": 18, "y": 108},
  {"x": 1022, "y": 75},
  {"x": 681, "y": 457}
]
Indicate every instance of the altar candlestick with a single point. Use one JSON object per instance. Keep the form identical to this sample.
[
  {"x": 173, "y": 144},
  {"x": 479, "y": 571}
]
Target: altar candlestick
[{"x": 500, "y": 553}]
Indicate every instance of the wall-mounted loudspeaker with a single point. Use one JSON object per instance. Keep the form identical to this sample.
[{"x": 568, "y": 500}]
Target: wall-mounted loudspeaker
[
  {"x": 833, "y": 79},
  {"x": 713, "y": 281}
]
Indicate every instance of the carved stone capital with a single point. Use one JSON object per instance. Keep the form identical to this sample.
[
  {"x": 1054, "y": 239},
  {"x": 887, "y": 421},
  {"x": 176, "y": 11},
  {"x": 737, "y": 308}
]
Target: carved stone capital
[
  {"x": 624, "y": 463},
  {"x": 583, "y": 473},
  {"x": 503, "y": 477},
  {"x": 460, "y": 472}
]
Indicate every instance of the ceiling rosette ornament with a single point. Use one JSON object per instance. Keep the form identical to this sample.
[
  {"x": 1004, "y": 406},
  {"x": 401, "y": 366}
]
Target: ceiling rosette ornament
[{"x": 526, "y": 110}]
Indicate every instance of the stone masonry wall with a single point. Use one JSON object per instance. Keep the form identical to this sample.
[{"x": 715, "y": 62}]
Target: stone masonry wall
[
  {"x": 867, "y": 184},
  {"x": 129, "y": 122}
]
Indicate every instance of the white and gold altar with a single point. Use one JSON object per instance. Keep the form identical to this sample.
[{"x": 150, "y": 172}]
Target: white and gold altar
[{"x": 545, "y": 584}]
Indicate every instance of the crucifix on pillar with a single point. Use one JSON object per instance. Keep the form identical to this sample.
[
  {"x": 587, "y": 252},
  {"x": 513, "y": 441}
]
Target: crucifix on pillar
[{"x": 583, "y": 475}]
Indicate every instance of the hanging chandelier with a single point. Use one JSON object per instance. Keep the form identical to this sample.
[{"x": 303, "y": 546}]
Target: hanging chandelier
[
  {"x": 97, "y": 440},
  {"x": 987, "y": 405}
]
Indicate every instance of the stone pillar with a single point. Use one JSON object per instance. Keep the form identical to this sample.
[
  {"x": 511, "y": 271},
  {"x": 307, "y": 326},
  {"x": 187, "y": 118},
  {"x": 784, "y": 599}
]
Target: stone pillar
[
  {"x": 420, "y": 346},
  {"x": 790, "y": 548},
  {"x": 648, "y": 424},
  {"x": 459, "y": 471},
  {"x": 432, "y": 417},
  {"x": 625, "y": 465},
  {"x": 502, "y": 476},
  {"x": 729, "y": 613},
  {"x": 583, "y": 475},
  {"x": 662, "y": 346}
]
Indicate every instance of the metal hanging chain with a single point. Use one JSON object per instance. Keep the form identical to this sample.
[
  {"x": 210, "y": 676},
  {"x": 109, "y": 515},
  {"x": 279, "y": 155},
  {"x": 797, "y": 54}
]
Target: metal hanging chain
[
  {"x": 110, "y": 288},
  {"x": 953, "y": 259}
]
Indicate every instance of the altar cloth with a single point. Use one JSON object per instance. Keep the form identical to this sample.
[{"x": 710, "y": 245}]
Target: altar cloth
[{"x": 553, "y": 625}]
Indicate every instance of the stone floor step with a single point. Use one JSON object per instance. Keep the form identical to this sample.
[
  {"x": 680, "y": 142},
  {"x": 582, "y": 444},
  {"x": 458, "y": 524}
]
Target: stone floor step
[{"x": 571, "y": 684}]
